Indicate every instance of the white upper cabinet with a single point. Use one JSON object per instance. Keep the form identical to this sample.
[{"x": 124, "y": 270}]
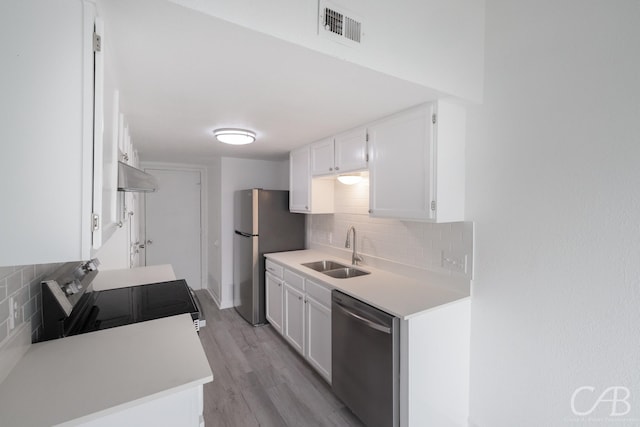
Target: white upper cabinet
[
  {"x": 299, "y": 180},
  {"x": 417, "y": 165},
  {"x": 322, "y": 157},
  {"x": 307, "y": 195},
  {"x": 47, "y": 153},
  {"x": 344, "y": 153},
  {"x": 351, "y": 151}
]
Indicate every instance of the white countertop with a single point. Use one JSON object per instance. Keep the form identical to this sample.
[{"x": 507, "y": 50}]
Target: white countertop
[
  {"x": 113, "y": 279},
  {"x": 400, "y": 296},
  {"x": 87, "y": 376}
]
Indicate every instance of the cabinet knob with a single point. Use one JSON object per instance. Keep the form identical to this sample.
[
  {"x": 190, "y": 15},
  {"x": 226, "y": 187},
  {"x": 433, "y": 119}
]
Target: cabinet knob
[
  {"x": 306, "y": 207},
  {"x": 300, "y": 298},
  {"x": 279, "y": 284},
  {"x": 330, "y": 169},
  {"x": 337, "y": 168}
]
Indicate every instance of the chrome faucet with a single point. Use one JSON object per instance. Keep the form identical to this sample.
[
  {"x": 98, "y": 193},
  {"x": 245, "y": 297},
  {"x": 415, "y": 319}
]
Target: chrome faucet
[{"x": 355, "y": 258}]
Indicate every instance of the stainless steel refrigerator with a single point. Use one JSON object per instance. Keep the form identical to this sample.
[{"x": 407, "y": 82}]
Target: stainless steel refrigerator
[{"x": 263, "y": 224}]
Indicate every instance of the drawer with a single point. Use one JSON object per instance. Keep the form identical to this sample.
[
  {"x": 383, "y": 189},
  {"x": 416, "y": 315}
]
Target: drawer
[
  {"x": 275, "y": 269},
  {"x": 318, "y": 292},
  {"x": 293, "y": 279}
]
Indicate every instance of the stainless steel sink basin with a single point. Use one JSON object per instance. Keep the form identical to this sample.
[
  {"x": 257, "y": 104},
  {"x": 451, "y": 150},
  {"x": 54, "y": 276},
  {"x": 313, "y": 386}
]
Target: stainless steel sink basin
[
  {"x": 345, "y": 273},
  {"x": 335, "y": 269},
  {"x": 324, "y": 265}
]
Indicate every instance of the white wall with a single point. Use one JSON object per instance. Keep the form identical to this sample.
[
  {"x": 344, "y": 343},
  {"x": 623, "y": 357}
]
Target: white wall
[
  {"x": 236, "y": 174},
  {"x": 436, "y": 43},
  {"x": 553, "y": 188},
  {"x": 214, "y": 257}
]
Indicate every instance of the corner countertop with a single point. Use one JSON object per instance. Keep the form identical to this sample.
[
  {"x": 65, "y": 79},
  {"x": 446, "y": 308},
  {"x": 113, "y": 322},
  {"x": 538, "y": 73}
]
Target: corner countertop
[
  {"x": 84, "y": 377},
  {"x": 398, "y": 295},
  {"x": 113, "y": 279}
]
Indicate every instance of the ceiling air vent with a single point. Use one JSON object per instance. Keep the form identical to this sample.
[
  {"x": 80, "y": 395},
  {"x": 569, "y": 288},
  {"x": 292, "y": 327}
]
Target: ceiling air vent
[{"x": 339, "y": 25}]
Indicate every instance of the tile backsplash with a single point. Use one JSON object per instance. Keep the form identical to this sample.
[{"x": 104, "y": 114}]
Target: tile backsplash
[
  {"x": 23, "y": 283},
  {"x": 442, "y": 248}
]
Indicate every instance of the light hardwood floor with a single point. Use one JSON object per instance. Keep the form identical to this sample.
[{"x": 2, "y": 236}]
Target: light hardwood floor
[{"x": 259, "y": 380}]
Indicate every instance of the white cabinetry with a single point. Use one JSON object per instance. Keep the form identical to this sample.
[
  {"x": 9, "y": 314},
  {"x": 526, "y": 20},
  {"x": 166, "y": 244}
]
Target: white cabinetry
[
  {"x": 417, "y": 164},
  {"x": 322, "y": 157},
  {"x": 344, "y": 153},
  {"x": 47, "y": 155},
  {"x": 294, "y": 317},
  {"x": 274, "y": 291},
  {"x": 300, "y": 310},
  {"x": 318, "y": 327},
  {"x": 307, "y": 195},
  {"x": 351, "y": 151}
]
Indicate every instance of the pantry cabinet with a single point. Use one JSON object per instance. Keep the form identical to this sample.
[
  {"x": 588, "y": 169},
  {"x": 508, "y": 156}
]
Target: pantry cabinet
[
  {"x": 417, "y": 165},
  {"x": 52, "y": 150}
]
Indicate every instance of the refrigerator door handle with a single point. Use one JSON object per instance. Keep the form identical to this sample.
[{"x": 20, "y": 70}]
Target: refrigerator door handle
[{"x": 244, "y": 234}]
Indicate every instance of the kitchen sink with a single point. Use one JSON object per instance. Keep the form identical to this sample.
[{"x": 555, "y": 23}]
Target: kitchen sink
[
  {"x": 324, "y": 265},
  {"x": 335, "y": 269},
  {"x": 345, "y": 272}
]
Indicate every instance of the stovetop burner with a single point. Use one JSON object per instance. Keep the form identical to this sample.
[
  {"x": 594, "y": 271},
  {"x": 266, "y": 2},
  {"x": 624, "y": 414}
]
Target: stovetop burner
[{"x": 70, "y": 308}]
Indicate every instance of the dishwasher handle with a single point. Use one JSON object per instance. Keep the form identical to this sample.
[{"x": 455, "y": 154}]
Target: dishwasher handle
[{"x": 367, "y": 322}]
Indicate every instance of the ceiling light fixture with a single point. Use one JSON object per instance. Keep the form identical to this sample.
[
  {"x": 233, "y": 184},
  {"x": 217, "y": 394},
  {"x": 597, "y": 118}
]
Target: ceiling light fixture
[
  {"x": 350, "y": 178},
  {"x": 235, "y": 136}
]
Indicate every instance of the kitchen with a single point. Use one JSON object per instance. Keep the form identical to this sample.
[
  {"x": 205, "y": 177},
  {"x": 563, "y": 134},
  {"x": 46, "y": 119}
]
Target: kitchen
[{"x": 550, "y": 153}]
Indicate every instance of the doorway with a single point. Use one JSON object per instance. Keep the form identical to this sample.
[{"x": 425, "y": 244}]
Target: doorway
[{"x": 173, "y": 223}]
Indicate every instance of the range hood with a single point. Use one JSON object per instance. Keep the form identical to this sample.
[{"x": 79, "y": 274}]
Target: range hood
[{"x": 132, "y": 179}]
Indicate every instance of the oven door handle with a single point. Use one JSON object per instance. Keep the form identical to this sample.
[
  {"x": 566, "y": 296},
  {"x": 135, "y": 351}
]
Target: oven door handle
[{"x": 366, "y": 322}]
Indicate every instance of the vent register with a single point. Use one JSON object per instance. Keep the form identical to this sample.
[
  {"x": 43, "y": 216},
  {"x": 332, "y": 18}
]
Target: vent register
[{"x": 338, "y": 25}]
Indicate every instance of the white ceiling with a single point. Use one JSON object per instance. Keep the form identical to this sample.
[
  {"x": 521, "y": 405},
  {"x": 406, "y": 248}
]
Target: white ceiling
[{"x": 182, "y": 74}]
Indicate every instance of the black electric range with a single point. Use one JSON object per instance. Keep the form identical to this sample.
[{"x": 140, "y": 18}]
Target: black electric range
[{"x": 69, "y": 307}]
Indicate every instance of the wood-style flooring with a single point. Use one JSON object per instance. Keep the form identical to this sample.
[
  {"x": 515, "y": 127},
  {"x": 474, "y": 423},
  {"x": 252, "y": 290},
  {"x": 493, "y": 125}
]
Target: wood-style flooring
[{"x": 259, "y": 380}]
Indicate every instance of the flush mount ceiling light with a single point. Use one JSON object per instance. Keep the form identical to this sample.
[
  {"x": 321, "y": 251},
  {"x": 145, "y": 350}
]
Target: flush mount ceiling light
[
  {"x": 350, "y": 178},
  {"x": 235, "y": 136}
]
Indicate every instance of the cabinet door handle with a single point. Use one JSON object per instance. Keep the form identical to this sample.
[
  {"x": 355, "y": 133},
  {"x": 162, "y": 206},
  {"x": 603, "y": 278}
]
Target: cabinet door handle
[{"x": 337, "y": 168}]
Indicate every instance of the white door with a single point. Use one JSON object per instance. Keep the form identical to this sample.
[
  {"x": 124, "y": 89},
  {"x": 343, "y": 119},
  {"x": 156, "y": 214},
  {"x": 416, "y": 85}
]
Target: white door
[{"x": 173, "y": 223}]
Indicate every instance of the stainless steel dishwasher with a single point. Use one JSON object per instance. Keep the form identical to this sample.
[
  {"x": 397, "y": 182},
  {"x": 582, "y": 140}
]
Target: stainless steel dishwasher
[{"x": 365, "y": 360}]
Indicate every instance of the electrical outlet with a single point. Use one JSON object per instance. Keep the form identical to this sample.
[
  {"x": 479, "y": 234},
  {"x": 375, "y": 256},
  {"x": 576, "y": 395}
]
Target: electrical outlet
[
  {"x": 14, "y": 313},
  {"x": 453, "y": 263}
]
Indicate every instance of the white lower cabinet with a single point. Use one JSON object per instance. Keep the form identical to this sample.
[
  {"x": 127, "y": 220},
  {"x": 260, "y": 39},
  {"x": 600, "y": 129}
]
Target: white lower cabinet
[
  {"x": 274, "y": 292},
  {"x": 318, "y": 319},
  {"x": 300, "y": 310},
  {"x": 294, "y": 317},
  {"x": 183, "y": 408}
]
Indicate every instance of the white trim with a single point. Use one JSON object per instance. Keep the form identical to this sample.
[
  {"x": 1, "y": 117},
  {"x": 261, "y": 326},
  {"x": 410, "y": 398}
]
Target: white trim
[{"x": 204, "y": 212}]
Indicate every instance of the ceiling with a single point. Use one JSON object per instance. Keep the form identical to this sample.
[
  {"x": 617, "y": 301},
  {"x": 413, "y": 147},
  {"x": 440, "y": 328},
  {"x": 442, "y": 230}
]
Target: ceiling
[{"x": 182, "y": 73}]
